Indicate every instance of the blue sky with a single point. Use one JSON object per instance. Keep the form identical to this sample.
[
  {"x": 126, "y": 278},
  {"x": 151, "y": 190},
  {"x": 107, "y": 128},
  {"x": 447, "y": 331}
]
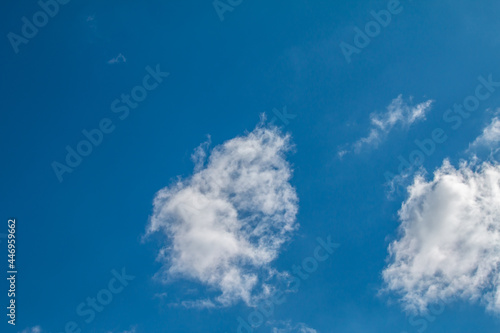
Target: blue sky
[{"x": 250, "y": 134}]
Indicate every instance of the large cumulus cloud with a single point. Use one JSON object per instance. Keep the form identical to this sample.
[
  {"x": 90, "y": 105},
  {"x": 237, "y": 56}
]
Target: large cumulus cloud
[
  {"x": 225, "y": 224},
  {"x": 449, "y": 245}
]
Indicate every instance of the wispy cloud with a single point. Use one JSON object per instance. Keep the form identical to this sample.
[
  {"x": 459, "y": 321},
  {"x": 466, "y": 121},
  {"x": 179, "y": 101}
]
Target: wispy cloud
[
  {"x": 118, "y": 59},
  {"x": 288, "y": 327},
  {"x": 226, "y": 223},
  {"x": 489, "y": 138},
  {"x": 399, "y": 114},
  {"x": 160, "y": 295},
  {"x": 450, "y": 239}
]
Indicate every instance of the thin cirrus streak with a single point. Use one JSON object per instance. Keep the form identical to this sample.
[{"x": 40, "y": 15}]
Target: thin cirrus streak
[{"x": 398, "y": 114}]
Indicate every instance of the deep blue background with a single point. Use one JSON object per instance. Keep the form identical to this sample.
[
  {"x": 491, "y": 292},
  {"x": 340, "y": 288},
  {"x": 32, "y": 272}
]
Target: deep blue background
[{"x": 223, "y": 75}]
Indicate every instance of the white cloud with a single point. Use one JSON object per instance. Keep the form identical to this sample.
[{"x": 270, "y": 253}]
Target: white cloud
[
  {"x": 449, "y": 245},
  {"x": 118, "y": 59},
  {"x": 226, "y": 223},
  {"x": 160, "y": 295},
  {"x": 489, "y": 138},
  {"x": 399, "y": 113},
  {"x": 34, "y": 329},
  {"x": 288, "y": 327}
]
